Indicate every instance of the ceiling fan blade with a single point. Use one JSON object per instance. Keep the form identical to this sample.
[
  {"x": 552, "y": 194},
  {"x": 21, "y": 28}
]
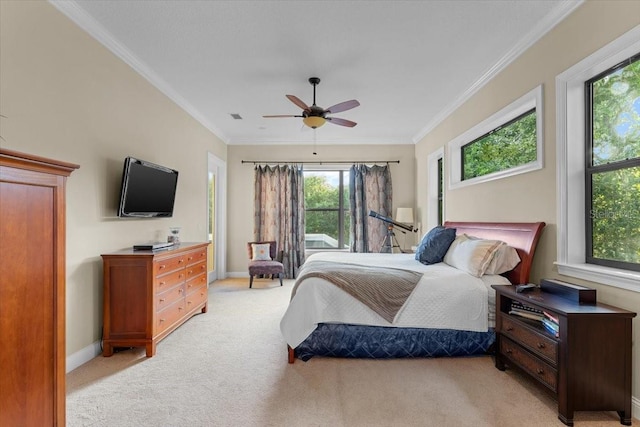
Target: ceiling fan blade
[
  {"x": 298, "y": 102},
  {"x": 341, "y": 122},
  {"x": 279, "y": 115},
  {"x": 343, "y": 106}
]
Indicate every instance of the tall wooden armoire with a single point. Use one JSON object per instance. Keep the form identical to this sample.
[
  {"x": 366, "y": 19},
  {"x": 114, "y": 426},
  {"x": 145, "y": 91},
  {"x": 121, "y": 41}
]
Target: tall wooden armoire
[{"x": 32, "y": 289}]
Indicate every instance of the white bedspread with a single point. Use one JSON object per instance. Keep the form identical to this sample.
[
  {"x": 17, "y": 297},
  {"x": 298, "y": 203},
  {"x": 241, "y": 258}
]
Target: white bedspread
[{"x": 445, "y": 298}]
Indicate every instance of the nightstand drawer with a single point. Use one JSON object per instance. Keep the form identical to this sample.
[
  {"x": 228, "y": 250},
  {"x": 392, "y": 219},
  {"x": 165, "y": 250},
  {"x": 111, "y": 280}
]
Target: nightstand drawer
[
  {"x": 536, "y": 367},
  {"x": 534, "y": 341}
]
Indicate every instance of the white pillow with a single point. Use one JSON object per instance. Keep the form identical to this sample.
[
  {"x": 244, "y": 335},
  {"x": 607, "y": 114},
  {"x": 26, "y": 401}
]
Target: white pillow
[
  {"x": 261, "y": 252},
  {"x": 505, "y": 259},
  {"x": 471, "y": 255}
]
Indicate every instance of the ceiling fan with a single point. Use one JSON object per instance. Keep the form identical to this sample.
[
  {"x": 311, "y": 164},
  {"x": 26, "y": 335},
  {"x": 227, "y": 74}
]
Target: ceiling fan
[{"x": 315, "y": 116}]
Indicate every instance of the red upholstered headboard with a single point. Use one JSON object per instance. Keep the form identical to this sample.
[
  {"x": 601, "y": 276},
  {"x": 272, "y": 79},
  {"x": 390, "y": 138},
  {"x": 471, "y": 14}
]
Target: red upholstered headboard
[{"x": 523, "y": 236}]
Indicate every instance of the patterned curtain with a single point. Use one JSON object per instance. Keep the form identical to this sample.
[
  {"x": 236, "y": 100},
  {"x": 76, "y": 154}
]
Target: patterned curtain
[
  {"x": 369, "y": 189},
  {"x": 279, "y": 213}
]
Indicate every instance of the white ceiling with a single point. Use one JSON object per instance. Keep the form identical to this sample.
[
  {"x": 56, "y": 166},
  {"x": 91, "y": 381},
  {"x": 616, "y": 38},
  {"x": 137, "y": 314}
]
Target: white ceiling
[{"x": 409, "y": 63}]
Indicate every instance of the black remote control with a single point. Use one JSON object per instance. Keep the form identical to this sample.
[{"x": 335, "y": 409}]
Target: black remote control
[{"x": 525, "y": 288}]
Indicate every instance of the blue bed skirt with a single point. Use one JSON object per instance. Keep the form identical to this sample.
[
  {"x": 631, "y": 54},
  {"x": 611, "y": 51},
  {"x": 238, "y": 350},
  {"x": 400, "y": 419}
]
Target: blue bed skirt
[{"x": 356, "y": 341}]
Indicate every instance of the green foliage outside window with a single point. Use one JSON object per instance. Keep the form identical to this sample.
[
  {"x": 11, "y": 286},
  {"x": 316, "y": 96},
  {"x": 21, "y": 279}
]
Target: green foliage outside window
[
  {"x": 322, "y": 209},
  {"x": 506, "y": 147},
  {"x": 615, "y": 166}
]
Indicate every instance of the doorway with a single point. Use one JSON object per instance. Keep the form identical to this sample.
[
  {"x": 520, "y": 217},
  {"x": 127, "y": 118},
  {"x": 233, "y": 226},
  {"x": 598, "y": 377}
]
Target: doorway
[{"x": 216, "y": 216}]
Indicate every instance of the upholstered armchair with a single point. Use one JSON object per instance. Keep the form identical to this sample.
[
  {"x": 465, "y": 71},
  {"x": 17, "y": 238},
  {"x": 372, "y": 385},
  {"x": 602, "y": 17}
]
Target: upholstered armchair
[{"x": 263, "y": 261}]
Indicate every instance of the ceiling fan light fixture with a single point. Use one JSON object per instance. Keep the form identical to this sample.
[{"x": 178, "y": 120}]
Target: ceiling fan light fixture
[{"x": 314, "y": 121}]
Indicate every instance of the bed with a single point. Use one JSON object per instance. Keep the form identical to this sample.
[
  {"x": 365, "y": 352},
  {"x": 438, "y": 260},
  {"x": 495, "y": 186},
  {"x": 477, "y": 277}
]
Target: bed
[{"x": 443, "y": 312}]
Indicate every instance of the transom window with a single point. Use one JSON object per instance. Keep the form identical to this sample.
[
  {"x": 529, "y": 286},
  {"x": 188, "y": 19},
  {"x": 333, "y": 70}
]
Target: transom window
[
  {"x": 326, "y": 201},
  {"x": 506, "y": 147},
  {"x": 508, "y": 143},
  {"x": 612, "y": 175}
]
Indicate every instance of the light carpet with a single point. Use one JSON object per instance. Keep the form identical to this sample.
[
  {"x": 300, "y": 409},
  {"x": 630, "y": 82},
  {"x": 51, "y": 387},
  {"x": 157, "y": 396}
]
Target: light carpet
[{"x": 229, "y": 367}]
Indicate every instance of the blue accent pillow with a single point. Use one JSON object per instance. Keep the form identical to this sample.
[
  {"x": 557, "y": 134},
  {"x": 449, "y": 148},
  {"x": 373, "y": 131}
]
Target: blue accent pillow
[{"x": 435, "y": 244}]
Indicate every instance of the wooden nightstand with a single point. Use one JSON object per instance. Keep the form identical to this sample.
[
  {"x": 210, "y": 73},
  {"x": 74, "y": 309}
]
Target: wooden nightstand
[{"x": 587, "y": 365}]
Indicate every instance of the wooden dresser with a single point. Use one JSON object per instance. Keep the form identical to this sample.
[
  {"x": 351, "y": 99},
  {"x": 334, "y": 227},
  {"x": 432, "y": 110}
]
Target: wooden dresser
[
  {"x": 148, "y": 294},
  {"x": 587, "y": 365},
  {"x": 32, "y": 289}
]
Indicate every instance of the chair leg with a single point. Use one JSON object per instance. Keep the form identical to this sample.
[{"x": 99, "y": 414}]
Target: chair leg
[
  {"x": 280, "y": 277},
  {"x": 250, "y": 281}
]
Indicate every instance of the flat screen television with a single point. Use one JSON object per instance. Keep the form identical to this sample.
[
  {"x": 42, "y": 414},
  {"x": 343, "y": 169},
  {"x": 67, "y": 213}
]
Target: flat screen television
[{"x": 148, "y": 190}]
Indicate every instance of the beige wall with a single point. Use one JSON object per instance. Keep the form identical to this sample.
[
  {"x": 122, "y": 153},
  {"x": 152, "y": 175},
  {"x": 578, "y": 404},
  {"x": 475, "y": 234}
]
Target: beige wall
[
  {"x": 240, "y": 179},
  {"x": 67, "y": 97},
  {"x": 532, "y": 196}
]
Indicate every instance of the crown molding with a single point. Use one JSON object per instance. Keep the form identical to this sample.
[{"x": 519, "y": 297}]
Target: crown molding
[
  {"x": 542, "y": 28},
  {"x": 76, "y": 14}
]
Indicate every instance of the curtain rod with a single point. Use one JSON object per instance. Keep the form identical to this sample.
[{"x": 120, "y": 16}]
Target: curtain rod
[{"x": 318, "y": 162}]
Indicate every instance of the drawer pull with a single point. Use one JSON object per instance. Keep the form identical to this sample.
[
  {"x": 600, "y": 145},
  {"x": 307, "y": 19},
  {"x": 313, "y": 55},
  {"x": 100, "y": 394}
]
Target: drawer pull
[
  {"x": 541, "y": 345},
  {"x": 190, "y": 258},
  {"x": 162, "y": 267},
  {"x": 180, "y": 308},
  {"x": 509, "y": 328},
  {"x": 180, "y": 261},
  {"x": 509, "y": 351},
  {"x": 162, "y": 283},
  {"x": 161, "y": 299},
  {"x": 180, "y": 276},
  {"x": 540, "y": 371},
  {"x": 180, "y": 290},
  {"x": 161, "y": 320}
]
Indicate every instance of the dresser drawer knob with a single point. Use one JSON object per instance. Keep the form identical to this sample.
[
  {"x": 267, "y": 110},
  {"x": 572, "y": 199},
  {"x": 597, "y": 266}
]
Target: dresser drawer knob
[
  {"x": 180, "y": 290},
  {"x": 540, "y": 371},
  {"x": 162, "y": 266},
  {"x": 180, "y": 261},
  {"x": 161, "y": 320},
  {"x": 509, "y": 351},
  {"x": 162, "y": 283},
  {"x": 509, "y": 328},
  {"x": 161, "y": 299},
  {"x": 541, "y": 345}
]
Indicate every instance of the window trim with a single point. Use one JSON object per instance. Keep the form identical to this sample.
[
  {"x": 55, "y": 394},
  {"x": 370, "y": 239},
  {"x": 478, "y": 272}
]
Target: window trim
[
  {"x": 570, "y": 170},
  {"x": 531, "y": 100}
]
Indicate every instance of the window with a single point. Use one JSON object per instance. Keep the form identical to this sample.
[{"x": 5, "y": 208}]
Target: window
[
  {"x": 574, "y": 215},
  {"x": 612, "y": 175},
  {"x": 440, "y": 193},
  {"x": 435, "y": 189},
  {"x": 508, "y": 143},
  {"x": 506, "y": 147},
  {"x": 326, "y": 200}
]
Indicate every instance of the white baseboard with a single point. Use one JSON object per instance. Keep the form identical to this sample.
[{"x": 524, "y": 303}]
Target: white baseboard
[
  {"x": 81, "y": 357},
  {"x": 235, "y": 274},
  {"x": 635, "y": 407}
]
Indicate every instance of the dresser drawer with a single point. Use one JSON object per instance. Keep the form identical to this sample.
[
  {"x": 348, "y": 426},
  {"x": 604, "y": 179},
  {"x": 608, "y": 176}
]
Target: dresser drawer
[
  {"x": 167, "y": 281},
  {"x": 536, "y": 367},
  {"x": 197, "y": 256},
  {"x": 196, "y": 282},
  {"x": 542, "y": 345},
  {"x": 170, "y": 315},
  {"x": 195, "y": 269},
  {"x": 167, "y": 297},
  {"x": 198, "y": 296},
  {"x": 166, "y": 265}
]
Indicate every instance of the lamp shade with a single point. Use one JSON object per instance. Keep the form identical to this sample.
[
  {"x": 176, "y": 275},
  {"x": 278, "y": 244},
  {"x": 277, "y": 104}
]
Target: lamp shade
[
  {"x": 314, "y": 121},
  {"x": 404, "y": 215}
]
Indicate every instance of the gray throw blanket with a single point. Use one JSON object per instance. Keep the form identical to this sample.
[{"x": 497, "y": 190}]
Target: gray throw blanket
[{"x": 384, "y": 290}]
